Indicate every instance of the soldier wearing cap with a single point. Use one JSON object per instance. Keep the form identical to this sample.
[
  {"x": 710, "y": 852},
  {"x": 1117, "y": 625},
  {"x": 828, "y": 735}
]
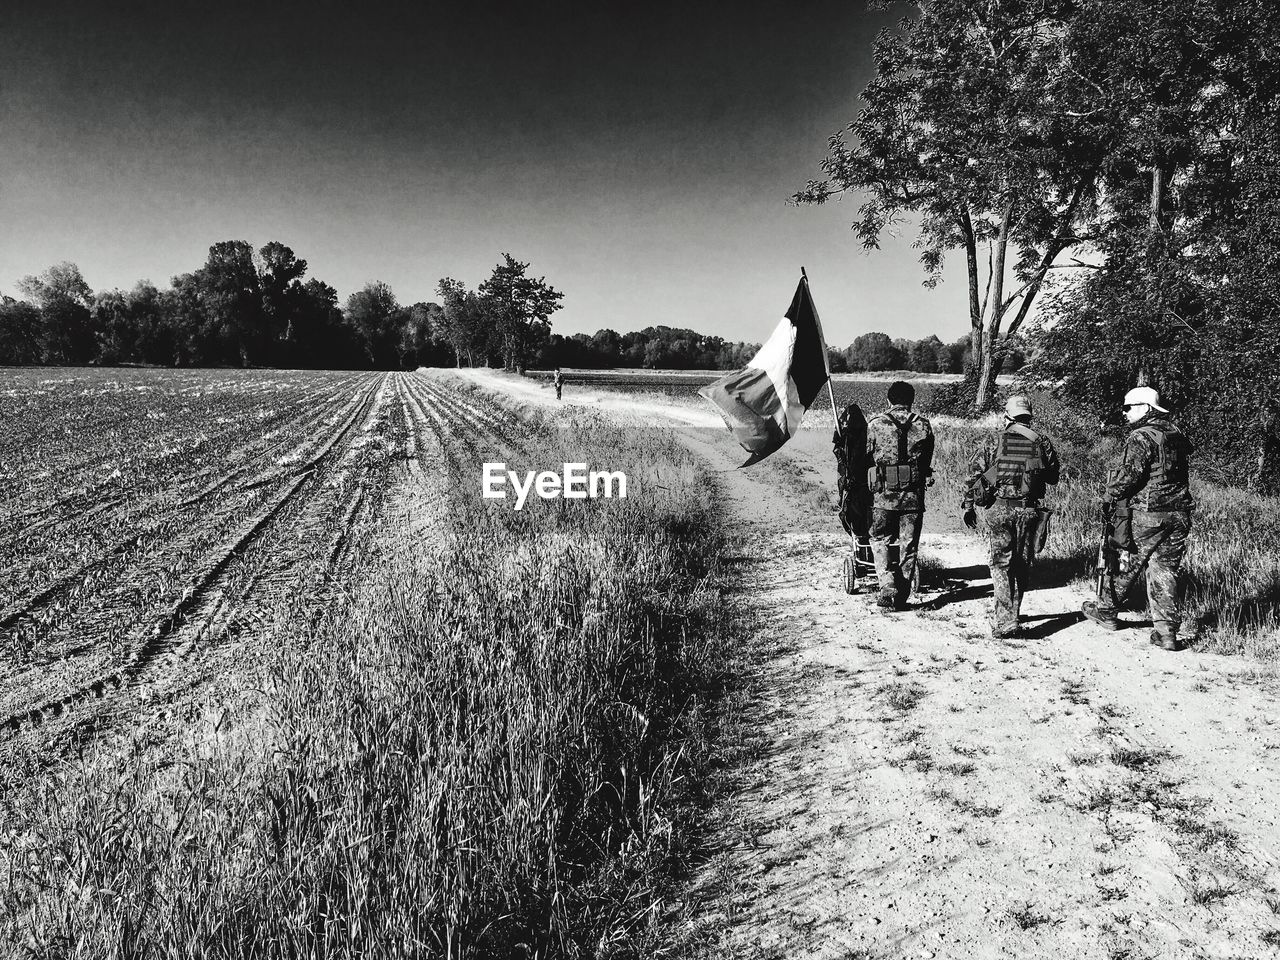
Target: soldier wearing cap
[
  {"x": 1008, "y": 475},
  {"x": 1152, "y": 478}
]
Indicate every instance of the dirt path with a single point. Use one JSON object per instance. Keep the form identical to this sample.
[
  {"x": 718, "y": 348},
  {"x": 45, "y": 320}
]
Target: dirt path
[{"x": 919, "y": 789}]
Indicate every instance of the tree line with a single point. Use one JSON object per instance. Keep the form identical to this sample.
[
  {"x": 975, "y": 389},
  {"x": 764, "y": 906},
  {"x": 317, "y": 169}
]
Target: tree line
[
  {"x": 879, "y": 351},
  {"x": 674, "y": 348},
  {"x": 247, "y": 307},
  {"x": 1115, "y": 159}
]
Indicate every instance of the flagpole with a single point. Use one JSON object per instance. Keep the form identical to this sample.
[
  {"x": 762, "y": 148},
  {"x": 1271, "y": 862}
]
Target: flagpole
[
  {"x": 834, "y": 415},
  {"x": 826, "y": 361}
]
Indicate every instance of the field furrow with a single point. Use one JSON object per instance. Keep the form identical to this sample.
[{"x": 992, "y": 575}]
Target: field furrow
[
  {"x": 210, "y": 561},
  {"x": 53, "y": 548}
]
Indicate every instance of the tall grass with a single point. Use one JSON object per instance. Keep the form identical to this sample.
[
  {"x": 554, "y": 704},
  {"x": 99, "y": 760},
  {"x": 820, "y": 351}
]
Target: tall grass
[
  {"x": 1232, "y": 565},
  {"x": 479, "y": 753}
]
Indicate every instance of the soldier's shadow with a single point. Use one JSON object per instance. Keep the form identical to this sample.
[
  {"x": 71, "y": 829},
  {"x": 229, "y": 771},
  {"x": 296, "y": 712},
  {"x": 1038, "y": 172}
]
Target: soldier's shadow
[
  {"x": 1049, "y": 624},
  {"x": 974, "y": 571},
  {"x": 954, "y": 591},
  {"x": 1049, "y": 573}
]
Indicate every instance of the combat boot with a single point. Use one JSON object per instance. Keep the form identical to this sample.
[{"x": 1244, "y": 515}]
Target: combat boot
[
  {"x": 1101, "y": 616},
  {"x": 887, "y": 602},
  {"x": 1165, "y": 641}
]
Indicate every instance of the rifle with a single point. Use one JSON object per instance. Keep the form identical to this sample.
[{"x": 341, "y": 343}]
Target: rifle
[
  {"x": 1107, "y": 566},
  {"x": 1116, "y": 549}
]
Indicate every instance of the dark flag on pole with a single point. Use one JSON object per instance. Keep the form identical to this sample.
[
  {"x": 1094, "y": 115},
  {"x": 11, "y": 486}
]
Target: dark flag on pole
[{"x": 762, "y": 404}]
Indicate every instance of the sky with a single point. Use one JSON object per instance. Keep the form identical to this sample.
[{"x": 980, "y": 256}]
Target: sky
[{"x": 639, "y": 156}]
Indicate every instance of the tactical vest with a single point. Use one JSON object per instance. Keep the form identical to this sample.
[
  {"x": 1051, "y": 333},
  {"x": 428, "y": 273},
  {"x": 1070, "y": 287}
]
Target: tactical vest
[
  {"x": 902, "y": 474},
  {"x": 1013, "y": 473},
  {"x": 1167, "y": 484}
]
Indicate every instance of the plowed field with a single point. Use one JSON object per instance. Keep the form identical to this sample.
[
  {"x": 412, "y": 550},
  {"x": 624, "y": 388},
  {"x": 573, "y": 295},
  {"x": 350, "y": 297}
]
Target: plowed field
[{"x": 149, "y": 519}]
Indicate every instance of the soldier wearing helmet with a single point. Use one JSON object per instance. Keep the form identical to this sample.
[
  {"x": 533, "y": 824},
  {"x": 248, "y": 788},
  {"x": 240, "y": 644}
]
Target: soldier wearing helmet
[
  {"x": 1152, "y": 481},
  {"x": 1008, "y": 476}
]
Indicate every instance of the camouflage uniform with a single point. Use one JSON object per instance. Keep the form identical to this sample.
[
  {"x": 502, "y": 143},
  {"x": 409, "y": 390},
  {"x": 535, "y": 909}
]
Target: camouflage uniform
[
  {"x": 1012, "y": 523},
  {"x": 896, "y": 515},
  {"x": 1157, "y": 489}
]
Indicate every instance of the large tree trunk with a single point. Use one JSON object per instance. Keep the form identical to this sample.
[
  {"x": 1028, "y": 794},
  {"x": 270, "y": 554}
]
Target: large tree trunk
[
  {"x": 1158, "y": 180},
  {"x": 975, "y": 306},
  {"x": 1266, "y": 474},
  {"x": 989, "y": 369},
  {"x": 987, "y": 373},
  {"x": 1156, "y": 249}
]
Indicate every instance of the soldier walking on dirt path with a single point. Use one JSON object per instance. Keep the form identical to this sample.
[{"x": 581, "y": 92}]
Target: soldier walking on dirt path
[
  {"x": 900, "y": 454},
  {"x": 558, "y": 379},
  {"x": 1008, "y": 476},
  {"x": 1152, "y": 481}
]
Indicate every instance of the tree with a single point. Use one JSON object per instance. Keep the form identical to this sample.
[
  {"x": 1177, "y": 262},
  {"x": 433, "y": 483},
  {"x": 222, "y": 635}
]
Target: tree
[
  {"x": 607, "y": 346},
  {"x": 462, "y": 320},
  {"x": 923, "y": 355},
  {"x": 376, "y": 316},
  {"x": 20, "y": 332},
  {"x": 421, "y": 340},
  {"x": 1184, "y": 294},
  {"x": 519, "y": 309},
  {"x": 324, "y": 338},
  {"x": 243, "y": 307},
  {"x": 973, "y": 124},
  {"x": 280, "y": 275},
  {"x": 874, "y": 351},
  {"x": 117, "y": 331},
  {"x": 66, "y": 322},
  {"x": 231, "y": 330}
]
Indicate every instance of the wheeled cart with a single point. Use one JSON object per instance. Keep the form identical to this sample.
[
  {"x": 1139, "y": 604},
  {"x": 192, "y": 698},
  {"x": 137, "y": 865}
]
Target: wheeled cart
[{"x": 860, "y": 568}]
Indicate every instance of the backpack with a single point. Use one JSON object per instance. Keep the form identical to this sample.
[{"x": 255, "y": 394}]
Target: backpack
[
  {"x": 1012, "y": 474},
  {"x": 901, "y": 474},
  {"x": 1168, "y": 474}
]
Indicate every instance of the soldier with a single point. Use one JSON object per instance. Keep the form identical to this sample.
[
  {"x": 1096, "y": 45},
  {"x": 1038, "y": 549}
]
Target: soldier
[
  {"x": 1152, "y": 477},
  {"x": 558, "y": 379},
  {"x": 1009, "y": 475},
  {"x": 900, "y": 454}
]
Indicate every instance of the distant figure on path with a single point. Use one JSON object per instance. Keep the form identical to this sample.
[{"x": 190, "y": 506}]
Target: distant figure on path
[
  {"x": 1152, "y": 481},
  {"x": 558, "y": 379},
  {"x": 1008, "y": 475},
  {"x": 900, "y": 454}
]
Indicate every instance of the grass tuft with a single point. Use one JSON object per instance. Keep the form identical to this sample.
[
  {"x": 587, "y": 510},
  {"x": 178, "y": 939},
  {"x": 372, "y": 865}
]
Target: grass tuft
[
  {"x": 1025, "y": 916},
  {"x": 901, "y": 697}
]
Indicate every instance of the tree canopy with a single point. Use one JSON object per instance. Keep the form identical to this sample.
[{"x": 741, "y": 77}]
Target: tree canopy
[{"x": 1125, "y": 147}]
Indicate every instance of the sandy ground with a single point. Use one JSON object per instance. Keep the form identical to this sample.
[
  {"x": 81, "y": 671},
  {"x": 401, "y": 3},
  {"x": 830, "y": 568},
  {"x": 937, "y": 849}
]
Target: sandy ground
[{"x": 918, "y": 789}]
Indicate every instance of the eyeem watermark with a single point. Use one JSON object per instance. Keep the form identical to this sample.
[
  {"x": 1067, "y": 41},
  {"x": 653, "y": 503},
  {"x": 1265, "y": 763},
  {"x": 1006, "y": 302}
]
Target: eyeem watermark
[{"x": 576, "y": 482}]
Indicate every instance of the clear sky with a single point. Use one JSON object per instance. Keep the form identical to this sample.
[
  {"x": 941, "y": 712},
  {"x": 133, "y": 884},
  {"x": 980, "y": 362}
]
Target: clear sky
[{"x": 638, "y": 155}]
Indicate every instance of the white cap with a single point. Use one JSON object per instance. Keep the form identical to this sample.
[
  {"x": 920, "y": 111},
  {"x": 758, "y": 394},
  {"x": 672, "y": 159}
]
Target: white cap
[{"x": 1144, "y": 395}]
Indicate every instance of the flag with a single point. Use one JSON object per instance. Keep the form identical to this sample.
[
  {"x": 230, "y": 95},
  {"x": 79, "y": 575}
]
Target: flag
[{"x": 762, "y": 404}]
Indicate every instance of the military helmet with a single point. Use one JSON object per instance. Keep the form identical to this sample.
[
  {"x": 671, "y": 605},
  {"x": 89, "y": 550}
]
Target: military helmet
[{"x": 1017, "y": 406}]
